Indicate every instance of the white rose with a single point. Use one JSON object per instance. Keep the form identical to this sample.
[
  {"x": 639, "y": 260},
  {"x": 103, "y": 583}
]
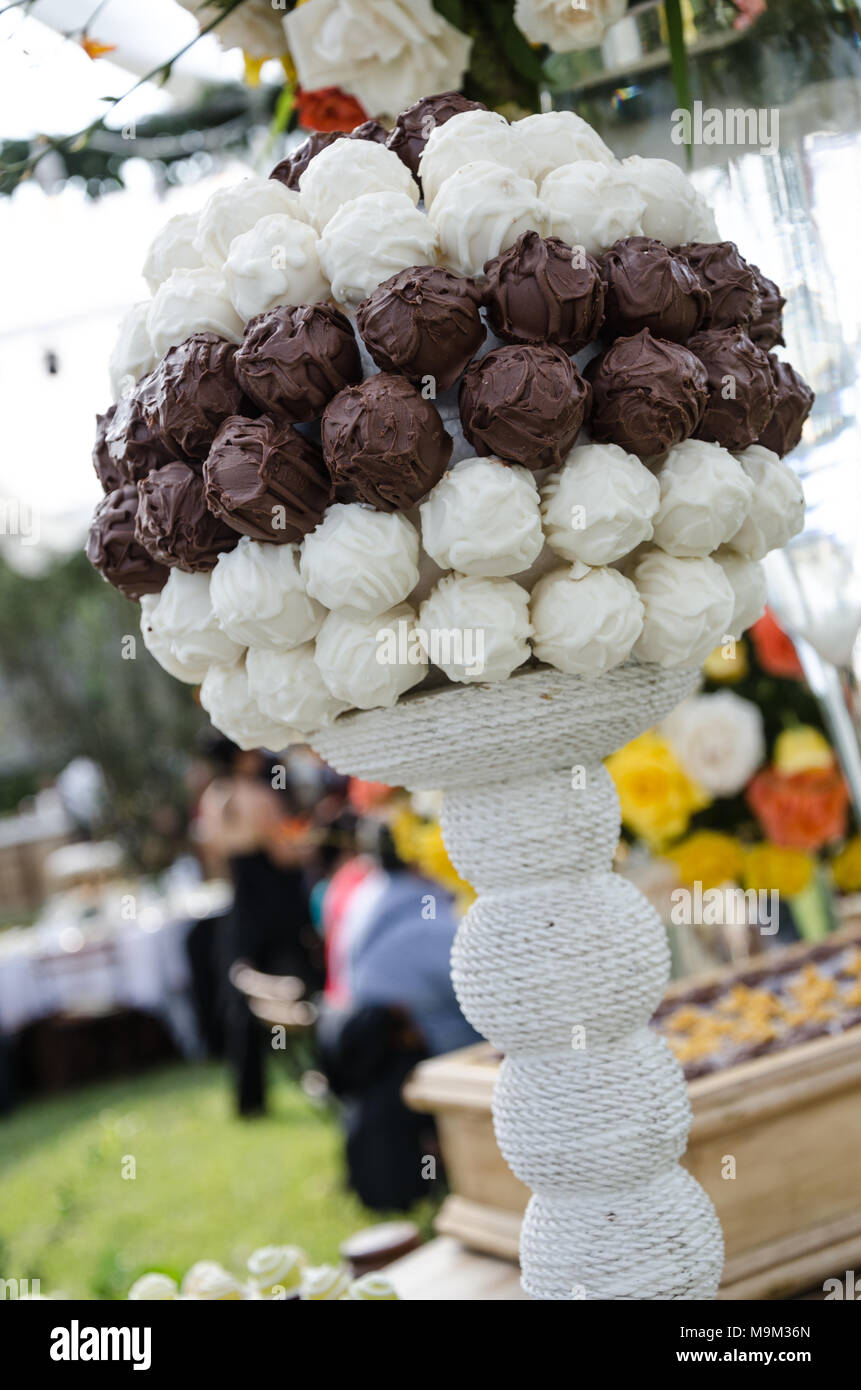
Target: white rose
[
  {"x": 718, "y": 739},
  {"x": 388, "y": 53},
  {"x": 256, "y": 26},
  {"x": 567, "y": 24}
]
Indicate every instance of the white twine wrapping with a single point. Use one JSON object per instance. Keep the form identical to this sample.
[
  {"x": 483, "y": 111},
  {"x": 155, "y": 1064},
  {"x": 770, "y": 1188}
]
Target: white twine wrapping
[{"x": 560, "y": 963}]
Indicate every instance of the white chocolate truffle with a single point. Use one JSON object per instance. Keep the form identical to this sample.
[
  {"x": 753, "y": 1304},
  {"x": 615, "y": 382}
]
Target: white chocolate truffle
[
  {"x": 705, "y": 496},
  {"x": 592, "y": 205},
  {"x": 133, "y": 354},
  {"x": 275, "y": 263},
  {"x": 172, "y": 249},
  {"x": 191, "y": 301},
  {"x": 747, "y": 578},
  {"x": 483, "y": 518},
  {"x": 559, "y": 137},
  {"x": 600, "y": 504},
  {"x": 208, "y": 1280},
  {"x": 259, "y": 598},
  {"x": 370, "y": 239},
  {"x": 231, "y": 211},
  {"x": 470, "y": 135},
  {"x": 153, "y": 1288},
  {"x": 374, "y": 1286},
  {"x": 159, "y": 646},
  {"x": 277, "y": 1267},
  {"x": 476, "y": 629},
  {"x": 227, "y": 699},
  {"x": 183, "y": 623},
  {"x": 776, "y": 512},
  {"x": 675, "y": 212},
  {"x": 325, "y": 1284},
  {"x": 585, "y": 621},
  {"x": 288, "y": 687},
  {"x": 480, "y": 211},
  {"x": 349, "y": 169},
  {"x": 360, "y": 558},
  {"x": 370, "y": 661},
  {"x": 688, "y": 605}
]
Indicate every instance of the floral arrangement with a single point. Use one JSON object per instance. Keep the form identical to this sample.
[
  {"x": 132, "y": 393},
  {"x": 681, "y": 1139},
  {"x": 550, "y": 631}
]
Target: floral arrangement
[
  {"x": 350, "y": 60},
  {"x": 739, "y": 785},
  {"x": 274, "y": 1273}
]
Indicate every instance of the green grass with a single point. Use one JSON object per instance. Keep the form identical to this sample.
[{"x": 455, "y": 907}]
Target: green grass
[{"x": 207, "y": 1185}]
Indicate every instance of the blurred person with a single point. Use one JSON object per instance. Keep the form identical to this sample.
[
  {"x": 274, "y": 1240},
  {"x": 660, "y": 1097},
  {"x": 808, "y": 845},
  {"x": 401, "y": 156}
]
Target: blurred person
[
  {"x": 389, "y": 1004},
  {"x": 246, "y": 825}
]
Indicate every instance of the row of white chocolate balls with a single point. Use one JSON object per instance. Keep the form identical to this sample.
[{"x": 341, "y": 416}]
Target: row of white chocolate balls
[
  {"x": 255, "y": 245},
  {"x": 302, "y": 670}
]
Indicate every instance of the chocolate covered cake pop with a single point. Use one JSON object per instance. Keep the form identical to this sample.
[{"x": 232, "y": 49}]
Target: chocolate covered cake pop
[
  {"x": 193, "y": 388},
  {"x": 295, "y": 358},
  {"x": 729, "y": 279},
  {"x": 648, "y": 286},
  {"x": 741, "y": 390},
  {"x": 107, "y": 472},
  {"x": 174, "y": 523},
  {"x": 413, "y": 126},
  {"x": 265, "y": 479},
  {"x": 793, "y": 403},
  {"x": 525, "y": 404},
  {"x": 115, "y": 552},
  {"x": 543, "y": 291},
  {"x": 423, "y": 322},
  {"x": 647, "y": 394},
  {"x": 766, "y": 330},
  {"x": 131, "y": 443},
  {"x": 384, "y": 444}
]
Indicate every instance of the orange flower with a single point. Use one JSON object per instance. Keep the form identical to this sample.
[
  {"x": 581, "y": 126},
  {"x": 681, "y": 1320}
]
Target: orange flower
[
  {"x": 367, "y": 797},
  {"x": 801, "y": 810},
  {"x": 774, "y": 650},
  {"x": 329, "y": 109},
  {"x": 94, "y": 49}
]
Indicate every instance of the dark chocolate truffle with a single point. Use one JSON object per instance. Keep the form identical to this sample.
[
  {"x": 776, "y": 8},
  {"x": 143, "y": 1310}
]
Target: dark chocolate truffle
[
  {"x": 371, "y": 130},
  {"x": 540, "y": 291},
  {"x": 525, "y": 404},
  {"x": 294, "y": 359},
  {"x": 186, "y": 397},
  {"x": 767, "y": 328},
  {"x": 423, "y": 322},
  {"x": 647, "y": 394},
  {"x": 133, "y": 447},
  {"x": 729, "y": 279},
  {"x": 384, "y": 444},
  {"x": 413, "y": 126},
  {"x": 740, "y": 385},
  {"x": 115, "y": 552},
  {"x": 266, "y": 479},
  {"x": 648, "y": 286},
  {"x": 174, "y": 523},
  {"x": 107, "y": 472},
  {"x": 794, "y": 401},
  {"x": 290, "y": 170}
]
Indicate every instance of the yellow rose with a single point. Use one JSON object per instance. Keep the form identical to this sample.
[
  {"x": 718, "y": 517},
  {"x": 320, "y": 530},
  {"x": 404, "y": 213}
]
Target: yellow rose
[
  {"x": 726, "y": 668},
  {"x": 656, "y": 795},
  {"x": 802, "y": 750},
  {"x": 710, "y": 858},
  {"x": 771, "y": 868},
  {"x": 846, "y": 866}
]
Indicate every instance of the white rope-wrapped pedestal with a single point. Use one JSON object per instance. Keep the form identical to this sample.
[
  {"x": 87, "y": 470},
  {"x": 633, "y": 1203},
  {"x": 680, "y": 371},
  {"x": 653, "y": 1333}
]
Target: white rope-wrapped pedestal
[{"x": 560, "y": 963}]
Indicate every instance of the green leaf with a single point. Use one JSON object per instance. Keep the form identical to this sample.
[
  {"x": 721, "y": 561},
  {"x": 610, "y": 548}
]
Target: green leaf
[{"x": 679, "y": 60}]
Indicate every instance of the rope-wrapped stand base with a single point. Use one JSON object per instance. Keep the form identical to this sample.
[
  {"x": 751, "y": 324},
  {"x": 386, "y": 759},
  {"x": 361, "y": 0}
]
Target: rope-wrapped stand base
[{"x": 560, "y": 963}]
